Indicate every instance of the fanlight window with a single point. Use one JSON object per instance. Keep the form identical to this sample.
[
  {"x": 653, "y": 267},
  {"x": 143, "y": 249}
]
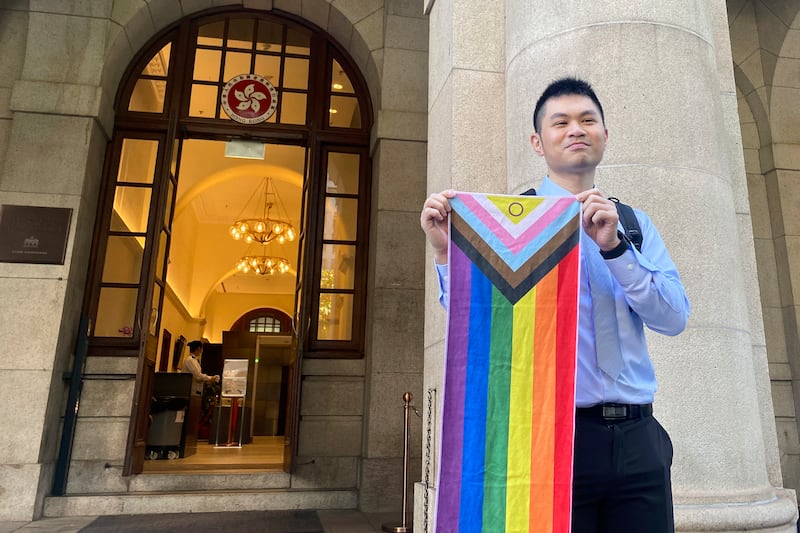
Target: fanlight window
[
  {"x": 264, "y": 324},
  {"x": 344, "y": 111},
  {"x": 151, "y": 87},
  {"x": 276, "y": 52}
]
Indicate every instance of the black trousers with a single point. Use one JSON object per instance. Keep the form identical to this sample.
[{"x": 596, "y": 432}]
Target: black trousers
[{"x": 621, "y": 477}]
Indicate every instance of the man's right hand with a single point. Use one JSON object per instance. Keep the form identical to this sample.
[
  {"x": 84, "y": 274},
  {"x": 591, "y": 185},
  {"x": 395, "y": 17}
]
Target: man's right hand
[{"x": 433, "y": 220}]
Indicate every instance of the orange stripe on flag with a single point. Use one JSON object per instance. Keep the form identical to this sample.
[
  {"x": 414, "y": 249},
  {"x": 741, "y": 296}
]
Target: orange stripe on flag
[{"x": 543, "y": 416}]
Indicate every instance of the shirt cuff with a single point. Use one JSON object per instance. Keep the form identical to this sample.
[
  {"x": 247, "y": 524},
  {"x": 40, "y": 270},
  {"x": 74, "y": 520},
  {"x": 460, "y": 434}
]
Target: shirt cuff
[
  {"x": 618, "y": 250},
  {"x": 626, "y": 268},
  {"x": 442, "y": 273}
]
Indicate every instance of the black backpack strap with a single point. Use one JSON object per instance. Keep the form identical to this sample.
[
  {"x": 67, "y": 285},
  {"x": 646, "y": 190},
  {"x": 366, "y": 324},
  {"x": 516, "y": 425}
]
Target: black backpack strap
[{"x": 629, "y": 222}]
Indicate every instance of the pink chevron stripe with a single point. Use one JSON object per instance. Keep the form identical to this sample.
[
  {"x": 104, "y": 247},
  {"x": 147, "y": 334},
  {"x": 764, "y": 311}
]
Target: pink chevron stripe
[{"x": 514, "y": 243}]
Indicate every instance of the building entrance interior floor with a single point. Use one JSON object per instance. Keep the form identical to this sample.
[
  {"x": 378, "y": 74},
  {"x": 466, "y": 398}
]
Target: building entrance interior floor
[{"x": 264, "y": 454}]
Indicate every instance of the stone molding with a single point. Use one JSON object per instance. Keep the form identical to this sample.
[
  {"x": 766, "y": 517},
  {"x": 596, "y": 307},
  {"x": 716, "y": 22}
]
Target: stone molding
[{"x": 780, "y": 511}]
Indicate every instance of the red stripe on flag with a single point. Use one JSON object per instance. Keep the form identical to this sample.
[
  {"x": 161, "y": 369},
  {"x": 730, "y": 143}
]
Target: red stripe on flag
[{"x": 566, "y": 339}]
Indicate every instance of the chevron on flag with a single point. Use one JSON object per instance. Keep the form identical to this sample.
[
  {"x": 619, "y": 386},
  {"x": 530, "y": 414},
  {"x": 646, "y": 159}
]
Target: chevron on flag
[{"x": 508, "y": 411}]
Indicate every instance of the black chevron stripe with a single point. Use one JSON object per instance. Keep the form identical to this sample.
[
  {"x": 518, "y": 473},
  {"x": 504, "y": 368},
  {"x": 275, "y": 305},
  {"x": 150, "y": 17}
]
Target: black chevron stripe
[{"x": 513, "y": 293}]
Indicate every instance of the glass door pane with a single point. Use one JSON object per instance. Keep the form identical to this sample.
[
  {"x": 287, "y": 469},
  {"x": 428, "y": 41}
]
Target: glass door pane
[
  {"x": 340, "y": 241},
  {"x": 127, "y": 244},
  {"x": 116, "y": 312}
]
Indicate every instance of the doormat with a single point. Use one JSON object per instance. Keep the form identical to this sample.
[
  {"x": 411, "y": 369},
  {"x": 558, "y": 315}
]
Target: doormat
[{"x": 242, "y": 521}]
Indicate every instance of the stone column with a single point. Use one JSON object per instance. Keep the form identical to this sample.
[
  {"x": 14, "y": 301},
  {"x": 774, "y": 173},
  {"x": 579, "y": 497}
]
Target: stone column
[{"x": 664, "y": 75}]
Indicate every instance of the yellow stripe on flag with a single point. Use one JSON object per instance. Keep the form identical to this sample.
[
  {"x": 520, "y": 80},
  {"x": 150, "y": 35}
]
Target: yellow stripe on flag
[{"x": 518, "y": 492}]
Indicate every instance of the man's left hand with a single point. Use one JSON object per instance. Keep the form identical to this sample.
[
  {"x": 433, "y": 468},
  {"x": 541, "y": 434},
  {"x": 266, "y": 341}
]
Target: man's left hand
[{"x": 600, "y": 219}]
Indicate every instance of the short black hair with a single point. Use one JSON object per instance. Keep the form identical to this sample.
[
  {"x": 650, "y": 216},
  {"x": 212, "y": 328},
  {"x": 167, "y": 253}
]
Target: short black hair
[
  {"x": 194, "y": 345},
  {"x": 564, "y": 87}
]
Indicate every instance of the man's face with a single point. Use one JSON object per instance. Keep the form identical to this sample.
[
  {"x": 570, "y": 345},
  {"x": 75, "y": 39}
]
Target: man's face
[{"x": 572, "y": 137}]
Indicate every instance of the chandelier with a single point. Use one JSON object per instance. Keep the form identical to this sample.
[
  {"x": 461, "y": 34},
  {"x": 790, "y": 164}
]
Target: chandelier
[
  {"x": 263, "y": 265},
  {"x": 265, "y": 229}
]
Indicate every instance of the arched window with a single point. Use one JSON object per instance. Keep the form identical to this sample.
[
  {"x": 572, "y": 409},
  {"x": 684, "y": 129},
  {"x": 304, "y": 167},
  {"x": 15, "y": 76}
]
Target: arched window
[
  {"x": 264, "y": 324},
  {"x": 168, "y": 108},
  {"x": 264, "y": 320}
]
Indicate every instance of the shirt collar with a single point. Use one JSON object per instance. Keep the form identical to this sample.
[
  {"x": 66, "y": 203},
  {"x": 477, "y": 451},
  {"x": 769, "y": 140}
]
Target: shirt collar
[{"x": 549, "y": 188}]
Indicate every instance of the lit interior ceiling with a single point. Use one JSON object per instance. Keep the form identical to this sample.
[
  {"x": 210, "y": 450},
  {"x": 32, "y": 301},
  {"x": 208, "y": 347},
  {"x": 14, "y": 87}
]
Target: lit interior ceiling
[{"x": 216, "y": 190}]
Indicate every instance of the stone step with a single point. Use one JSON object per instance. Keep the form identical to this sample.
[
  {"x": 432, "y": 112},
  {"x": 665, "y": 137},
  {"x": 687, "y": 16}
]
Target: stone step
[
  {"x": 197, "y": 501},
  {"x": 212, "y": 481}
]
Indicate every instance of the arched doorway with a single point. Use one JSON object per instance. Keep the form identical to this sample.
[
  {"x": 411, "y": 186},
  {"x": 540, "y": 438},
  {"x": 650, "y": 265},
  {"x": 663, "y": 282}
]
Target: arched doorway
[{"x": 179, "y": 172}]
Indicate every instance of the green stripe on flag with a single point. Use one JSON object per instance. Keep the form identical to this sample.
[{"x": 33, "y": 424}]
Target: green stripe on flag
[{"x": 497, "y": 412}]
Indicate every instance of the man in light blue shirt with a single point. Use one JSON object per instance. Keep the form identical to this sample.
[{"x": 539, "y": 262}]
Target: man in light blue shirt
[{"x": 622, "y": 459}]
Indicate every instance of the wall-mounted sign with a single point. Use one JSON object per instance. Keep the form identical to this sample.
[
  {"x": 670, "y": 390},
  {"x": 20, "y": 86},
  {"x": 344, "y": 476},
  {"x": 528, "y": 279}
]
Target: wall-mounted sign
[
  {"x": 249, "y": 99},
  {"x": 30, "y": 234}
]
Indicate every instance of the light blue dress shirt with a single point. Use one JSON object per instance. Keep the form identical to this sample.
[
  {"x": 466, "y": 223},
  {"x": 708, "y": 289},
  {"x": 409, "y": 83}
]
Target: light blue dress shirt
[{"x": 648, "y": 283}]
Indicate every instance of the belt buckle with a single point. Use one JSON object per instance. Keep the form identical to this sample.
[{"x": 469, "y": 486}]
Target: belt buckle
[{"x": 615, "y": 412}]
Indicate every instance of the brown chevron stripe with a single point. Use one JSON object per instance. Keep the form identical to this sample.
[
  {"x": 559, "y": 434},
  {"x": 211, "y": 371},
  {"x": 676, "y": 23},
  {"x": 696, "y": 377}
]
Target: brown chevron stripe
[{"x": 498, "y": 264}]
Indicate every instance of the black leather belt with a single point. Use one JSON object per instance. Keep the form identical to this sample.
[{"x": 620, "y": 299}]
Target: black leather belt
[{"x": 616, "y": 411}]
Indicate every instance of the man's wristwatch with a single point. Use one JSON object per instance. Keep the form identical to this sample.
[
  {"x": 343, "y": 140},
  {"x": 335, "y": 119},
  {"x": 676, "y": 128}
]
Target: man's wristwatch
[{"x": 621, "y": 248}]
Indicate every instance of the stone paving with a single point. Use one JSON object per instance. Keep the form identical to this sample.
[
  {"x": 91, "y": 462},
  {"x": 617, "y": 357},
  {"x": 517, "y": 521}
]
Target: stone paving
[{"x": 331, "y": 521}]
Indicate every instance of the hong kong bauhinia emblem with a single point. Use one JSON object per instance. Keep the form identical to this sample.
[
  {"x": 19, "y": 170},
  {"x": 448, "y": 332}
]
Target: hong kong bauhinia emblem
[{"x": 249, "y": 99}]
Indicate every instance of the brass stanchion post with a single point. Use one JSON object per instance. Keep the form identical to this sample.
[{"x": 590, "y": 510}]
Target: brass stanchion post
[{"x": 403, "y": 527}]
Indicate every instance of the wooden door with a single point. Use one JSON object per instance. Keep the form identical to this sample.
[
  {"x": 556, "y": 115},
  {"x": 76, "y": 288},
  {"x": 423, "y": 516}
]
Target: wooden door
[
  {"x": 137, "y": 439},
  {"x": 292, "y": 371}
]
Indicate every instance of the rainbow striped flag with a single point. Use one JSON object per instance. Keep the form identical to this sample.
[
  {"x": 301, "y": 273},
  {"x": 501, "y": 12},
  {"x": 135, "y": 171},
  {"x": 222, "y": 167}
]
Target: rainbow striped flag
[{"x": 508, "y": 414}]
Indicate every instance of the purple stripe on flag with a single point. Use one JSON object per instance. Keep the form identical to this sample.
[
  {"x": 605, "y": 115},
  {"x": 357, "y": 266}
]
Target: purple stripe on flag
[{"x": 455, "y": 379}]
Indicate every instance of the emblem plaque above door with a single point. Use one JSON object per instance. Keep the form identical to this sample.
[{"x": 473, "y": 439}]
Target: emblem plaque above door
[{"x": 249, "y": 99}]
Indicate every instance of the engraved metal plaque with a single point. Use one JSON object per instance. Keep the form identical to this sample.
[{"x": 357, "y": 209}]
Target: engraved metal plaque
[{"x": 31, "y": 234}]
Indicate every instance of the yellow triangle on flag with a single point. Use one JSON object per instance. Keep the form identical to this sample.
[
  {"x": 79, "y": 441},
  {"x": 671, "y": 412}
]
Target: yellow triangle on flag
[{"x": 514, "y": 207}]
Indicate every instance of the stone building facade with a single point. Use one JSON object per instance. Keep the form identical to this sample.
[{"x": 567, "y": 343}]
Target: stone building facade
[{"x": 700, "y": 99}]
